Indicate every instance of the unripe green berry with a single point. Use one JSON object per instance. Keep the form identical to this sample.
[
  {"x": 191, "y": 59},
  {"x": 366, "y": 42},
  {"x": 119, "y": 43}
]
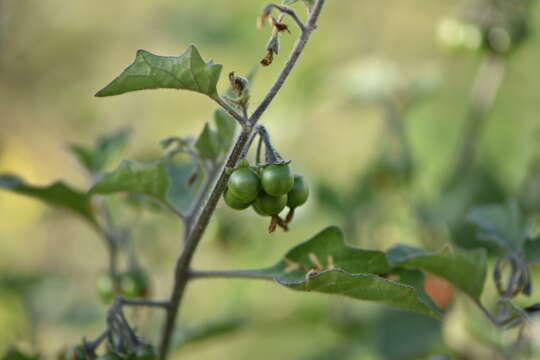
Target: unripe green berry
[
  {"x": 233, "y": 202},
  {"x": 269, "y": 205},
  {"x": 298, "y": 194},
  {"x": 277, "y": 179},
  {"x": 244, "y": 184}
]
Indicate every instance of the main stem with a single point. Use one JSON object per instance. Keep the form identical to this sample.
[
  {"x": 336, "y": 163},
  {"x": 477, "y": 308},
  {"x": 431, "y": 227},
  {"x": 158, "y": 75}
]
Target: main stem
[{"x": 195, "y": 229}]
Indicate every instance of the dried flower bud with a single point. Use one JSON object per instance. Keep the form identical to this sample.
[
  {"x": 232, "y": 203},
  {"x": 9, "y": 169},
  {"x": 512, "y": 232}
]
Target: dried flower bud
[
  {"x": 268, "y": 59},
  {"x": 273, "y": 44},
  {"x": 238, "y": 83},
  {"x": 279, "y": 26}
]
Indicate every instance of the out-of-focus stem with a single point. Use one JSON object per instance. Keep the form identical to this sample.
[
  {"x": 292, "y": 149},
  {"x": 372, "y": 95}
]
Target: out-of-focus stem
[{"x": 483, "y": 94}]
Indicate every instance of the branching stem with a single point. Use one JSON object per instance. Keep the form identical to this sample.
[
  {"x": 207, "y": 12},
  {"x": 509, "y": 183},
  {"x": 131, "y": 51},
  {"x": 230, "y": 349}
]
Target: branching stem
[
  {"x": 230, "y": 110},
  {"x": 196, "y": 226}
]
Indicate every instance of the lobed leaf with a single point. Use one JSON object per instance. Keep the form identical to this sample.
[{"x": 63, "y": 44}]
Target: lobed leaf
[
  {"x": 57, "y": 195},
  {"x": 465, "y": 269},
  {"x": 328, "y": 250},
  {"x": 163, "y": 180},
  {"x": 325, "y": 263},
  {"x": 188, "y": 72},
  {"x": 368, "y": 287}
]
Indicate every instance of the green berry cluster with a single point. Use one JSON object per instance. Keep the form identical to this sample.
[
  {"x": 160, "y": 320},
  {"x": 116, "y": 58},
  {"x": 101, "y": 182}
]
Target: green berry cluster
[{"x": 268, "y": 189}]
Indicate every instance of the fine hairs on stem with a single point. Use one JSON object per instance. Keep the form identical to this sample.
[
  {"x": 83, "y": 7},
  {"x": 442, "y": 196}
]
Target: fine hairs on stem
[{"x": 196, "y": 223}]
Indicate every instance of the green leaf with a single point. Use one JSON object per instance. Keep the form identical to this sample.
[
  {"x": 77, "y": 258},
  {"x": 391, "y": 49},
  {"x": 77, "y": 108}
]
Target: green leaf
[
  {"x": 188, "y": 72},
  {"x": 415, "y": 278},
  {"x": 532, "y": 250},
  {"x": 208, "y": 143},
  {"x": 57, "y": 195},
  {"x": 503, "y": 225},
  {"x": 181, "y": 194},
  {"x": 226, "y": 128},
  {"x": 465, "y": 269},
  {"x": 368, "y": 287},
  {"x": 325, "y": 263},
  {"x": 149, "y": 179},
  {"x": 395, "y": 340},
  {"x": 163, "y": 180},
  {"x": 325, "y": 249},
  {"x": 213, "y": 143},
  {"x": 95, "y": 158}
]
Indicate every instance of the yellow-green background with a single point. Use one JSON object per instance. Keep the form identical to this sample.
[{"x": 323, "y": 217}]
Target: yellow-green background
[{"x": 54, "y": 55}]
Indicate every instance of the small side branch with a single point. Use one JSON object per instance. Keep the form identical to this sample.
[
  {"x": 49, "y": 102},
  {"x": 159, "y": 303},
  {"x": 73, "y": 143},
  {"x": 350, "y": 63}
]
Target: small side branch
[
  {"x": 171, "y": 207},
  {"x": 288, "y": 11},
  {"x": 229, "y": 274},
  {"x": 230, "y": 111},
  {"x": 92, "y": 345},
  {"x": 507, "y": 321},
  {"x": 144, "y": 302},
  {"x": 485, "y": 311}
]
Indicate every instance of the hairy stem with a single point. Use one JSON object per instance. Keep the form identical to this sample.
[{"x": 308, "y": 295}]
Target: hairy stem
[
  {"x": 195, "y": 229},
  {"x": 230, "y": 110}
]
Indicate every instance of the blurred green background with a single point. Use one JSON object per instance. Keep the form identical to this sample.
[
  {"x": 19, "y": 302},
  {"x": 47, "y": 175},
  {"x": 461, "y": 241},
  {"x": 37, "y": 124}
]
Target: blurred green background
[{"x": 55, "y": 55}]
